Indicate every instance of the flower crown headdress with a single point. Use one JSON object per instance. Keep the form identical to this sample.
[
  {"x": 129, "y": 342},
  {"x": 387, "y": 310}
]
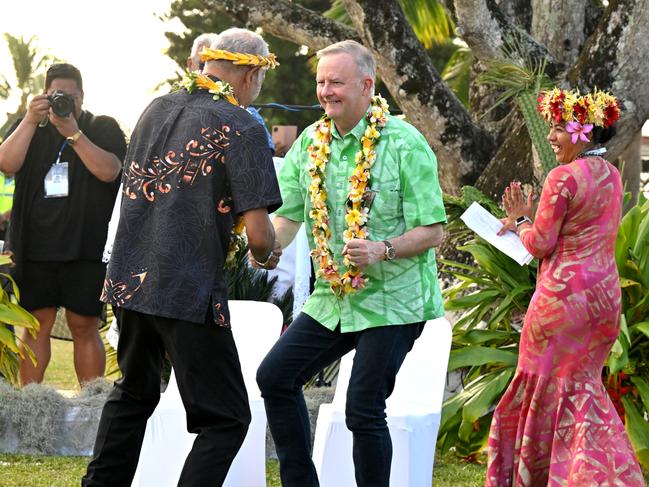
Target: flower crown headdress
[
  {"x": 580, "y": 112},
  {"x": 598, "y": 108},
  {"x": 238, "y": 58}
]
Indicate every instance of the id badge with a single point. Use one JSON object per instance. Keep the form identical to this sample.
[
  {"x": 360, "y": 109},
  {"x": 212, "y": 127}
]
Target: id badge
[{"x": 56, "y": 181}]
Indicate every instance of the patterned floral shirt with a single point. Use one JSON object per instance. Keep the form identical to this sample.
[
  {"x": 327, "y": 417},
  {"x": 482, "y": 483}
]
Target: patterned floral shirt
[
  {"x": 406, "y": 195},
  {"x": 192, "y": 164}
]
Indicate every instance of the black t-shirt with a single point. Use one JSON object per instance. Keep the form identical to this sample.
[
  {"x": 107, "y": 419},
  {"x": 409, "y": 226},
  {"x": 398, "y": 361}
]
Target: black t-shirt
[
  {"x": 72, "y": 227},
  {"x": 192, "y": 164}
]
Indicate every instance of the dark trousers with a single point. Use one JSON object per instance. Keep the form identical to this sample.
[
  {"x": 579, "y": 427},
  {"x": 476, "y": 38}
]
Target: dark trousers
[
  {"x": 208, "y": 373},
  {"x": 303, "y": 350}
]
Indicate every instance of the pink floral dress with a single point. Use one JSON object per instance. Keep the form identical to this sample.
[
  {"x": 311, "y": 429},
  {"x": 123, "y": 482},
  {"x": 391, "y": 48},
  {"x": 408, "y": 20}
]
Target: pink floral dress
[{"x": 555, "y": 425}]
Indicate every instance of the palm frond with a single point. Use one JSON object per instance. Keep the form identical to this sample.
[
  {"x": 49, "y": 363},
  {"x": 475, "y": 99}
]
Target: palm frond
[{"x": 427, "y": 18}]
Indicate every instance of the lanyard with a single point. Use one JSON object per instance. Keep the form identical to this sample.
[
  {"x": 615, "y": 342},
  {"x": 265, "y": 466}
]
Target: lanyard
[{"x": 58, "y": 158}]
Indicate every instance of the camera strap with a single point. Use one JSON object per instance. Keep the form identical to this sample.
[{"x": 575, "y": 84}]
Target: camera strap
[{"x": 56, "y": 181}]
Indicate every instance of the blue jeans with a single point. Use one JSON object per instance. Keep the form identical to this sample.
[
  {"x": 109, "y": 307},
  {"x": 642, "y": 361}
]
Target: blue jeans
[{"x": 305, "y": 349}]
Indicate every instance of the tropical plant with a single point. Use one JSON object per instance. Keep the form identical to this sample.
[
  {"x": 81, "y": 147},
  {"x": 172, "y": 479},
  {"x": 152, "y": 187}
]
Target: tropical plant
[
  {"x": 11, "y": 314},
  {"x": 428, "y": 19},
  {"x": 627, "y": 371},
  {"x": 521, "y": 78},
  {"x": 490, "y": 297},
  {"x": 29, "y": 75}
]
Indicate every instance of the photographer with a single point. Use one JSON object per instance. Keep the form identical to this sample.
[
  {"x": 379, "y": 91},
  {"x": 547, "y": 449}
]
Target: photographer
[{"x": 66, "y": 163}]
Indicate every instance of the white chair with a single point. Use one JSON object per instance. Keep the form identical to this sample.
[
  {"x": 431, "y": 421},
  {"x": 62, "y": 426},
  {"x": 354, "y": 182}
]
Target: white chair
[
  {"x": 413, "y": 415},
  {"x": 256, "y": 326}
]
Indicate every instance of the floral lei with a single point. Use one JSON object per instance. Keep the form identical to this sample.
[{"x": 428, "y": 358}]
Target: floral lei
[
  {"x": 220, "y": 89},
  {"x": 352, "y": 280}
]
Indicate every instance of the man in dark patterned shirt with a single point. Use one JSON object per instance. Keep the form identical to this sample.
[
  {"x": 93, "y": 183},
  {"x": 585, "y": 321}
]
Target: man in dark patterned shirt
[{"x": 197, "y": 164}]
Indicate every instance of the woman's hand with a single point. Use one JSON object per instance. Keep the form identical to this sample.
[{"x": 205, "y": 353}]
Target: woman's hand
[
  {"x": 515, "y": 206},
  {"x": 509, "y": 224},
  {"x": 514, "y": 202}
]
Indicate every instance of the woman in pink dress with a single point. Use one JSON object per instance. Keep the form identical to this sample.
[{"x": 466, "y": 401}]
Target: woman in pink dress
[{"x": 555, "y": 425}]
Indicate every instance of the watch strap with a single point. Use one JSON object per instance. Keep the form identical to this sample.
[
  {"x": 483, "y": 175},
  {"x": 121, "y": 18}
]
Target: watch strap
[
  {"x": 390, "y": 253},
  {"x": 522, "y": 219},
  {"x": 73, "y": 138}
]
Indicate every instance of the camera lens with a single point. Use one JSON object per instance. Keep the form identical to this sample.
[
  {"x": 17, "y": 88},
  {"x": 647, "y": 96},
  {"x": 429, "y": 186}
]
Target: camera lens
[{"x": 62, "y": 104}]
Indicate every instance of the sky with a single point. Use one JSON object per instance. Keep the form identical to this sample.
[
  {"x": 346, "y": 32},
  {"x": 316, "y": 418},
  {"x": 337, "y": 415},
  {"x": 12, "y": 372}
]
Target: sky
[{"x": 117, "y": 45}]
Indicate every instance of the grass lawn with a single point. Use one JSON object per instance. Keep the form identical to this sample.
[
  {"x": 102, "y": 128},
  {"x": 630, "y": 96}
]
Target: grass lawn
[
  {"x": 60, "y": 372},
  {"x": 39, "y": 471}
]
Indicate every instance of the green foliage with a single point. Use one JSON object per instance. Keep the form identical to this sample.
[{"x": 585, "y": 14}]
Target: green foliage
[
  {"x": 457, "y": 71},
  {"x": 490, "y": 296},
  {"x": 12, "y": 314},
  {"x": 427, "y": 18},
  {"x": 538, "y": 129},
  {"x": 248, "y": 283},
  {"x": 627, "y": 371},
  {"x": 29, "y": 75},
  {"x": 456, "y": 205},
  {"x": 46, "y": 471}
]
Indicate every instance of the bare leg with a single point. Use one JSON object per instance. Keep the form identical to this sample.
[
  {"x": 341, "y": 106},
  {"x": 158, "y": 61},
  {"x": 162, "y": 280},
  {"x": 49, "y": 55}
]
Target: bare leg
[
  {"x": 89, "y": 352},
  {"x": 39, "y": 345}
]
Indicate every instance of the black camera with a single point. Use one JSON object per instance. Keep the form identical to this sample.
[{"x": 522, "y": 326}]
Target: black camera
[{"x": 62, "y": 104}]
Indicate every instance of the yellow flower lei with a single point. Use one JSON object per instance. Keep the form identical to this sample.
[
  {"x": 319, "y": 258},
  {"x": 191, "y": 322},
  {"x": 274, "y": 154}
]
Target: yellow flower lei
[
  {"x": 238, "y": 58},
  {"x": 352, "y": 280},
  {"x": 191, "y": 82}
]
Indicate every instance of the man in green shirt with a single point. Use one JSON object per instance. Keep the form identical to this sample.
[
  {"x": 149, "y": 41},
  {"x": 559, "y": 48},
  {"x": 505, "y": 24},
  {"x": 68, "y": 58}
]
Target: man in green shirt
[{"x": 365, "y": 184}]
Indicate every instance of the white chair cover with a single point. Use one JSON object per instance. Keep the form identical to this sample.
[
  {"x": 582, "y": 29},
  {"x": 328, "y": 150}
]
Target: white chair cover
[
  {"x": 112, "y": 227},
  {"x": 413, "y": 415},
  {"x": 255, "y": 326}
]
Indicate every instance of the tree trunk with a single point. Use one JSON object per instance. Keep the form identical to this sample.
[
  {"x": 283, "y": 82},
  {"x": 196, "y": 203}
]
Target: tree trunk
[
  {"x": 614, "y": 58},
  {"x": 559, "y": 25},
  {"x": 487, "y": 31},
  {"x": 631, "y": 163},
  {"x": 513, "y": 160},
  {"x": 463, "y": 149}
]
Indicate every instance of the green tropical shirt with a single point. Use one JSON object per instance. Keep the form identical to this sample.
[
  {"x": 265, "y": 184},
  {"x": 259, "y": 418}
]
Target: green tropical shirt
[{"x": 406, "y": 195}]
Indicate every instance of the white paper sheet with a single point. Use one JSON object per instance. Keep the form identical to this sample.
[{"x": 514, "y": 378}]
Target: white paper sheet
[{"x": 487, "y": 226}]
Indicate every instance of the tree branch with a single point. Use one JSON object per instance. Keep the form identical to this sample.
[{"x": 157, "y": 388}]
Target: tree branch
[
  {"x": 286, "y": 20},
  {"x": 482, "y": 25},
  {"x": 463, "y": 148}
]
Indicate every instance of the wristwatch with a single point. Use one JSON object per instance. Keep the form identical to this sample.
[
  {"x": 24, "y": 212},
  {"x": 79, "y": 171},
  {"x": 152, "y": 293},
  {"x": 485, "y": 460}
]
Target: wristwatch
[
  {"x": 390, "y": 253},
  {"x": 522, "y": 219},
  {"x": 73, "y": 138}
]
